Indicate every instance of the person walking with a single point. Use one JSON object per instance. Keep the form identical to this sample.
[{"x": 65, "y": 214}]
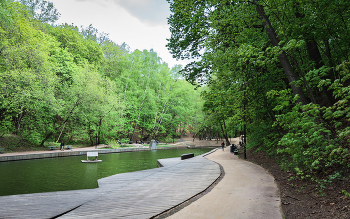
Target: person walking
[
  {"x": 62, "y": 146},
  {"x": 223, "y": 145}
]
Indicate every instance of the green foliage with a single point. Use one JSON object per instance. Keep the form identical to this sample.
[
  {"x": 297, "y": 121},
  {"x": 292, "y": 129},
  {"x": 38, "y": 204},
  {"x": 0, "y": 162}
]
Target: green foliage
[
  {"x": 57, "y": 144},
  {"x": 59, "y": 83},
  {"x": 43, "y": 11},
  {"x": 280, "y": 68},
  {"x": 125, "y": 140},
  {"x": 316, "y": 138},
  {"x": 112, "y": 143},
  {"x": 168, "y": 139},
  {"x": 345, "y": 193},
  {"x": 82, "y": 50}
]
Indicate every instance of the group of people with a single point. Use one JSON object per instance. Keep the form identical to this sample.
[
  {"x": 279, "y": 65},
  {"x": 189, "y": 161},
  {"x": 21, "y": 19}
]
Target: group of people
[{"x": 139, "y": 142}]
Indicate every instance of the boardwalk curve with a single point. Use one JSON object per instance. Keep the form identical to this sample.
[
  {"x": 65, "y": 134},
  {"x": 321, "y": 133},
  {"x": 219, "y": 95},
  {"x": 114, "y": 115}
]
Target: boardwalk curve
[{"x": 141, "y": 194}]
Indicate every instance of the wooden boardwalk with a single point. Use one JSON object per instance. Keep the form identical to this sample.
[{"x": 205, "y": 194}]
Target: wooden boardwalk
[{"x": 141, "y": 194}]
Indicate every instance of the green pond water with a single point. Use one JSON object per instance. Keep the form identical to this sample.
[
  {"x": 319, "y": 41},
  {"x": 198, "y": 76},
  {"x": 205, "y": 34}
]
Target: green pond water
[{"x": 69, "y": 173}]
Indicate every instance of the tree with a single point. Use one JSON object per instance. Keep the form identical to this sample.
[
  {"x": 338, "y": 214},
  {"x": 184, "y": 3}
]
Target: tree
[
  {"x": 59, "y": 83},
  {"x": 43, "y": 11},
  {"x": 282, "y": 55}
]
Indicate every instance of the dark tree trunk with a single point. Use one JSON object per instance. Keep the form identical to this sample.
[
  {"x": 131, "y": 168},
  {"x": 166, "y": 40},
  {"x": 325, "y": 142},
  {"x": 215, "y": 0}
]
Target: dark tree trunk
[
  {"x": 91, "y": 140},
  {"x": 45, "y": 139},
  {"x": 224, "y": 133},
  {"x": 20, "y": 116},
  {"x": 287, "y": 67},
  {"x": 313, "y": 52},
  {"x": 315, "y": 56},
  {"x": 99, "y": 132},
  {"x": 133, "y": 132}
]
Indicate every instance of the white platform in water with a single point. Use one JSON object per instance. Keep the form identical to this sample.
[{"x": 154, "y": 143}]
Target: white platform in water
[{"x": 91, "y": 161}]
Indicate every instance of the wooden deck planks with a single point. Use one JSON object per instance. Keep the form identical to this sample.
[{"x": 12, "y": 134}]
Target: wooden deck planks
[{"x": 141, "y": 194}]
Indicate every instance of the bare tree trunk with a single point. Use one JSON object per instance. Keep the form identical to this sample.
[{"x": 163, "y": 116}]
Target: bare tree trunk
[
  {"x": 161, "y": 118},
  {"x": 65, "y": 121},
  {"x": 61, "y": 132}
]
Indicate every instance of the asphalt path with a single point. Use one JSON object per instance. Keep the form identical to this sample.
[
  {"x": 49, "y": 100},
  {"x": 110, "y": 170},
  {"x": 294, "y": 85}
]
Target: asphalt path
[{"x": 246, "y": 191}]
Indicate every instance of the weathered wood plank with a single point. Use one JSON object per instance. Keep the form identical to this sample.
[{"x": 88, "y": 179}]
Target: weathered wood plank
[{"x": 141, "y": 194}]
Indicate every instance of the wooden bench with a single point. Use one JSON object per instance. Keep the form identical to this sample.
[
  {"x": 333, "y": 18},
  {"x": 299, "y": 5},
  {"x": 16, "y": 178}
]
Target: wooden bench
[
  {"x": 2, "y": 150},
  {"x": 52, "y": 148}
]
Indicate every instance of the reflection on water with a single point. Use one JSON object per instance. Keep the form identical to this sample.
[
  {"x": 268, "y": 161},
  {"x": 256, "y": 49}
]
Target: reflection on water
[{"x": 68, "y": 173}]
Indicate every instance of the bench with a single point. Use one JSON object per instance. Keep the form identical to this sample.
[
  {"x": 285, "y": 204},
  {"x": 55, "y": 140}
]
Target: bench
[
  {"x": 2, "y": 150},
  {"x": 68, "y": 147},
  {"x": 186, "y": 156},
  {"x": 91, "y": 154},
  {"x": 234, "y": 149},
  {"x": 52, "y": 148}
]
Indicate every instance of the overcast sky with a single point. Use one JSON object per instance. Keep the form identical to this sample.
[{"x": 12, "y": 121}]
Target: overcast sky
[{"x": 142, "y": 24}]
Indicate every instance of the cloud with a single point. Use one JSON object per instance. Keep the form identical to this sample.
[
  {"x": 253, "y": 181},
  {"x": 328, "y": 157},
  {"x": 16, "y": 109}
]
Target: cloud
[
  {"x": 149, "y": 12},
  {"x": 103, "y": 3}
]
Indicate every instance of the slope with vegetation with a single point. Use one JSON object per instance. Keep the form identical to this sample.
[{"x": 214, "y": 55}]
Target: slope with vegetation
[
  {"x": 279, "y": 67},
  {"x": 61, "y": 82}
]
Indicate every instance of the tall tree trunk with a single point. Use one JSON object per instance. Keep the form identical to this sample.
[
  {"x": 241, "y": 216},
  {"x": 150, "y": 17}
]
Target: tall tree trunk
[
  {"x": 20, "y": 116},
  {"x": 61, "y": 132},
  {"x": 287, "y": 67},
  {"x": 69, "y": 115},
  {"x": 224, "y": 132},
  {"x": 161, "y": 118},
  {"x": 99, "y": 132},
  {"x": 315, "y": 56},
  {"x": 45, "y": 139},
  {"x": 226, "y": 135}
]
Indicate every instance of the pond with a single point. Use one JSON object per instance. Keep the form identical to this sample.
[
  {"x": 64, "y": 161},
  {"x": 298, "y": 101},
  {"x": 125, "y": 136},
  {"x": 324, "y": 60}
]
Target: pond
[{"x": 68, "y": 173}]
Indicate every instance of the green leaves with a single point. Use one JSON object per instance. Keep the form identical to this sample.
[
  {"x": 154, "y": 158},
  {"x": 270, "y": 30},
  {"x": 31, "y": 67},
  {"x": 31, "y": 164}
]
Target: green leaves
[
  {"x": 82, "y": 50},
  {"x": 58, "y": 82}
]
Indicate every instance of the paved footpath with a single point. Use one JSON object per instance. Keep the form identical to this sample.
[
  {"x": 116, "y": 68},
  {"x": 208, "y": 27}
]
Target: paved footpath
[{"x": 246, "y": 191}]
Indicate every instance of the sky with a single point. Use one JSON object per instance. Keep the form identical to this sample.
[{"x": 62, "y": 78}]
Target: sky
[{"x": 141, "y": 24}]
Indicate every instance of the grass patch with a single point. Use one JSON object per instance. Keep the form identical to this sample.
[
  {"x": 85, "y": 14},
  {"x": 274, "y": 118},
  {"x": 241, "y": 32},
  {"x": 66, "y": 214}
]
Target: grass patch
[{"x": 164, "y": 145}]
